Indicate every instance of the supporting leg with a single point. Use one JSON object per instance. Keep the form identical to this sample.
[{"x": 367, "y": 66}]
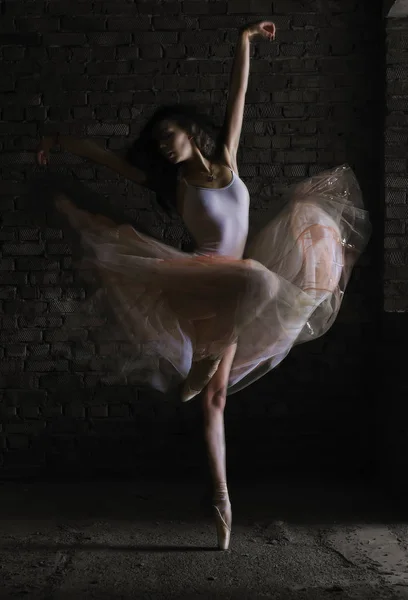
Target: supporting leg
[{"x": 214, "y": 400}]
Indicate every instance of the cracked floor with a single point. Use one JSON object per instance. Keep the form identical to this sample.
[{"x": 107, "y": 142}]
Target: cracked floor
[{"x": 148, "y": 539}]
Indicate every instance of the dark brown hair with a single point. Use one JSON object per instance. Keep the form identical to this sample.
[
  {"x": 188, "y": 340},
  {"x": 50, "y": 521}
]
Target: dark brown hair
[{"x": 161, "y": 174}]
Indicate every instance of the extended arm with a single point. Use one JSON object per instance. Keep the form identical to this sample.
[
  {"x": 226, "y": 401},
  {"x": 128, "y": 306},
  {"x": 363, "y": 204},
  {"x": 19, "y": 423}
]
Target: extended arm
[
  {"x": 91, "y": 150},
  {"x": 236, "y": 95},
  {"x": 239, "y": 82}
]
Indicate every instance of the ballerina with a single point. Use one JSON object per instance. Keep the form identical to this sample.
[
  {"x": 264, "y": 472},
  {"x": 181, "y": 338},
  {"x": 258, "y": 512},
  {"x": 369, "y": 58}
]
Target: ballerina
[{"x": 218, "y": 318}]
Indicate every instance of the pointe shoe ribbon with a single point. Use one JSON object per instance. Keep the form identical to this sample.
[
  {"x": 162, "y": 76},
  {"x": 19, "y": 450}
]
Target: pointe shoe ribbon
[{"x": 223, "y": 530}]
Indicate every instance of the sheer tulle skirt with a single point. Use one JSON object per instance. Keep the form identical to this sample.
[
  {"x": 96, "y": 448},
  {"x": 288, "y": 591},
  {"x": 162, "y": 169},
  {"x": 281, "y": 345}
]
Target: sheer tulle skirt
[{"x": 174, "y": 310}]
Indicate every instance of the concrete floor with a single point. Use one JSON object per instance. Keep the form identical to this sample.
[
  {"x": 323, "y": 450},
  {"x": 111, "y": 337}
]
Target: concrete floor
[{"x": 131, "y": 540}]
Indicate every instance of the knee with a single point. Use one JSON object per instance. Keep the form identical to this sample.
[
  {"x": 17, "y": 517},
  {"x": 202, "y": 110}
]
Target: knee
[{"x": 214, "y": 400}]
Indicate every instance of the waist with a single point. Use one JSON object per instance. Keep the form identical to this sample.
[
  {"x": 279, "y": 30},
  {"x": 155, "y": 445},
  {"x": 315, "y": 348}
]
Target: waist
[{"x": 221, "y": 250}]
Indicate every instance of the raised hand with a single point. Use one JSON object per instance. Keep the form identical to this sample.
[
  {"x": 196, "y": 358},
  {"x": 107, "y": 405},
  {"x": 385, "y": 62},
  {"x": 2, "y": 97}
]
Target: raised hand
[
  {"x": 43, "y": 150},
  {"x": 265, "y": 29}
]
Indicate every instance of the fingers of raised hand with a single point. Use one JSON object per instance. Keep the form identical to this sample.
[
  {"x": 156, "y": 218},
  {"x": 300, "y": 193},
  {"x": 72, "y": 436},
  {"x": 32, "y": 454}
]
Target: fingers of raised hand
[
  {"x": 42, "y": 158},
  {"x": 269, "y": 30}
]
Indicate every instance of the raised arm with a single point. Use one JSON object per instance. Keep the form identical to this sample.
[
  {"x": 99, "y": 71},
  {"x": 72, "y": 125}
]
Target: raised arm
[
  {"x": 90, "y": 149},
  {"x": 239, "y": 82}
]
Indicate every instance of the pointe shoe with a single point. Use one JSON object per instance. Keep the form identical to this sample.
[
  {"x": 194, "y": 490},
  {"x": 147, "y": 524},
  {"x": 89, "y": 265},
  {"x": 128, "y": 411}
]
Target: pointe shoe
[
  {"x": 223, "y": 520},
  {"x": 200, "y": 374}
]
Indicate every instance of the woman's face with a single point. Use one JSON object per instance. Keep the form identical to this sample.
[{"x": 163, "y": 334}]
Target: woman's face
[{"x": 173, "y": 141}]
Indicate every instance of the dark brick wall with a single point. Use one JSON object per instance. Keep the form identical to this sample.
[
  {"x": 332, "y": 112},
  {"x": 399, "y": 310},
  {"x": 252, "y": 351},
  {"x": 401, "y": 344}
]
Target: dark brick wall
[
  {"x": 99, "y": 69},
  {"x": 396, "y": 162},
  {"x": 395, "y": 319}
]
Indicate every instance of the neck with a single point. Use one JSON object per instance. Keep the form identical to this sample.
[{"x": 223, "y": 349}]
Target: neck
[{"x": 196, "y": 164}]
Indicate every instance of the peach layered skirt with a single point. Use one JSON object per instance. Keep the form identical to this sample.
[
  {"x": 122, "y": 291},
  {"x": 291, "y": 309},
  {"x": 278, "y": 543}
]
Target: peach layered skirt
[{"x": 170, "y": 315}]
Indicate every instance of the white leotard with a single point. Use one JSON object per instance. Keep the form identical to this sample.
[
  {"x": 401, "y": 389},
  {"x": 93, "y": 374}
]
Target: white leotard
[{"x": 218, "y": 218}]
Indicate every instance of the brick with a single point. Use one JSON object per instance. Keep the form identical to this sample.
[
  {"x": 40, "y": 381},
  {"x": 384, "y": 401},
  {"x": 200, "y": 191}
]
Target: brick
[
  {"x": 119, "y": 410},
  {"x": 64, "y": 39},
  {"x": 39, "y": 264},
  {"x": 393, "y": 197},
  {"x": 13, "y": 53},
  {"x": 397, "y": 212},
  {"x": 7, "y": 25},
  {"x": 392, "y": 243},
  {"x": 16, "y": 350},
  {"x": 310, "y": 20},
  {"x": 25, "y": 307},
  {"x": 9, "y": 322},
  {"x": 97, "y": 411},
  {"x": 13, "y": 278},
  {"x": 292, "y": 49},
  {"x": 14, "y": 158},
  {"x": 18, "y": 441},
  {"x": 127, "y": 23},
  {"x": 23, "y": 335},
  {"x": 393, "y": 181},
  {"x": 196, "y": 7},
  {"x": 109, "y": 68},
  {"x": 94, "y": 83},
  {"x": 39, "y": 350},
  {"x": 84, "y": 55},
  {"x": 106, "y": 112},
  {"x": 21, "y": 380},
  {"x": 59, "y": 248},
  {"x": 47, "y": 365},
  {"x": 8, "y": 293},
  {"x": 62, "y": 336},
  {"x": 394, "y": 226},
  {"x": 20, "y": 427},
  {"x": 85, "y": 24},
  {"x": 294, "y": 110},
  {"x": 29, "y": 412},
  {"x": 50, "y": 293},
  {"x": 127, "y": 53},
  {"x": 18, "y": 39},
  {"x": 28, "y": 293},
  {"x": 74, "y": 410},
  {"x": 65, "y": 7},
  {"x": 110, "y": 38},
  {"x": 20, "y": 99},
  {"x": 7, "y": 264},
  {"x": 112, "y": 98},
  {"x": 11, "y": 366},
  {"x": 202, "y": 37},
  {"x": 105, "y": 129},
  {"x": 239, "y": 6},
  {"x": 36, "y": 113},
  {"x": 281, "y": 142},
  {"x": 82, "y": 112},
  {"x": 174, "y": 24},
  {"x": 168, "y": 8},
  {"x": 295, "y": 170},
  {"x": 13, "y": 113},
  {"x": 58, "y": 113},
  {"x": 397, "y": 103},
  {"x": 23, "y": 249},
  {"x": 396, "y": 120},
  {"x": 156, "y": 37},
  {"x": 15, "y": 8},
  {"x": 66, "y": 99},
  {"x": 37, "y": 24}
]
